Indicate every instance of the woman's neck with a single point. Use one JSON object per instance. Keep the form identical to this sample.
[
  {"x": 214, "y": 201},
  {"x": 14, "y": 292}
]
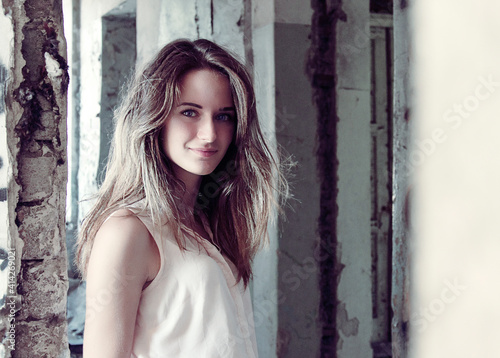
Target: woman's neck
[
  {"x": 190, "y": 195},
  {"x": 189, "y": 198}
]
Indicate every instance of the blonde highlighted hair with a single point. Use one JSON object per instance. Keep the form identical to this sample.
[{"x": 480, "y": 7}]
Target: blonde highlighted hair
[{"x": 238, "y": 197}]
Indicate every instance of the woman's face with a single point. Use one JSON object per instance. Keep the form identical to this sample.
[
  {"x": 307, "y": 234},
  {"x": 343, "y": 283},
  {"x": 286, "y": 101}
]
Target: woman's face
[{"x": 201, "y": 125}]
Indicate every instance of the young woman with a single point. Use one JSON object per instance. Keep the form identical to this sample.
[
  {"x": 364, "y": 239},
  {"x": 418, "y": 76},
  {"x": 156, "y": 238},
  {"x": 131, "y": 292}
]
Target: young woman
[{"x": 167, "y": 249}]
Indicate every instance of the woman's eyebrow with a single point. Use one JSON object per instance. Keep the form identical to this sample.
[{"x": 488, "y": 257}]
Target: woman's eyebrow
[
  {"x": 201, "y": 107},
  {"x": 190, "y": 104}
]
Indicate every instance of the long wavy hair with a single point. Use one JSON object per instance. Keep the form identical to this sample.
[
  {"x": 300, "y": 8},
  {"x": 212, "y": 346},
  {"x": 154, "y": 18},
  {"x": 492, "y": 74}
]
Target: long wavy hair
[{"x": 237, "y": 198}]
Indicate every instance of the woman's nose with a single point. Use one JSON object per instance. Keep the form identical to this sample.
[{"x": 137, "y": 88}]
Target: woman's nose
[{"x": 207, "y": 130}]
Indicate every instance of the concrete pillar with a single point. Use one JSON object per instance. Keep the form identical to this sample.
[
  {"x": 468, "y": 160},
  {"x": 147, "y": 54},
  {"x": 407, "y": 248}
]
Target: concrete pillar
[
  {"x": 76, "y": 294},
  {"x": 36, "y": 132},
  {"x": 265, "y": 290},
  {"x": 401, "y": 174},
  {"x": 161, "y": 21},
  {"x": 286, "y": 284},
  {"x": 354, "y": 291}
]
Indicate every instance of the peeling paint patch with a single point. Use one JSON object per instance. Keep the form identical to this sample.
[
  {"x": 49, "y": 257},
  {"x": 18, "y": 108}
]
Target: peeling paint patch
[
  {"x": 3, "y": 79},
  {"x": 52, "y": 66},
  {"x": 348, "y": 327}
]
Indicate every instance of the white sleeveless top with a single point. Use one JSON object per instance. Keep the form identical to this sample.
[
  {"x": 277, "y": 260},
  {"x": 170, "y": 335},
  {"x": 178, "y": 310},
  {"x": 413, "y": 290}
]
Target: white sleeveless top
[{"x": 193, "y": 308}]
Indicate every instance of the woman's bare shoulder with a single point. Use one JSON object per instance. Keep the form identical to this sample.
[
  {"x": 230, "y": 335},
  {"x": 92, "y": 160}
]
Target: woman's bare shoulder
[
  {"x": 121, "y": 264},
  {"x": 123, "y": 225},
  {"x": 124, "y": 241}
]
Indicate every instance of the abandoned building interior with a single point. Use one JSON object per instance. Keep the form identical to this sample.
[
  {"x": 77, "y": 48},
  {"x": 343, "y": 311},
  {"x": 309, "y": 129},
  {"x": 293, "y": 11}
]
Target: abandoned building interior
[{"x": 388, "y": 244}]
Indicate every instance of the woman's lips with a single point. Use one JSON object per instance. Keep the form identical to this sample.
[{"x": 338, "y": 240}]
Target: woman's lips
[{"x": 205, "y": 153}]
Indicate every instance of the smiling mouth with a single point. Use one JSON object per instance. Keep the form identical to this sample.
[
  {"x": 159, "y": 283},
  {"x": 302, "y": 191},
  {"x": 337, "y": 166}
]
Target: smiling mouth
[{"x": 205, "y": 153}]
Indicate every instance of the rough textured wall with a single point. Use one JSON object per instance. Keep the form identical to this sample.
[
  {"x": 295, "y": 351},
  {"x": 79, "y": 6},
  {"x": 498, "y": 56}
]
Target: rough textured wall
[{"x": 36, "y": 127}]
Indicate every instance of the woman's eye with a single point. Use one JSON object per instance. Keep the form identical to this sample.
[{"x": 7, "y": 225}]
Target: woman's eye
[
  {"x": 189, "y": 113},
  {"x": 224, "y": 117}
]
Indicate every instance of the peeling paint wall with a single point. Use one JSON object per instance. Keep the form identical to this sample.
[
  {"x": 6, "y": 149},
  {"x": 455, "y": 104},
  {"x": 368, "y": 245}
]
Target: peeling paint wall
[{"x": 36, "y": 132}]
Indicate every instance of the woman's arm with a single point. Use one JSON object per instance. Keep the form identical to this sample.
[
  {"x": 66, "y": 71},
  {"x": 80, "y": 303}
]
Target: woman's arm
[{"x": 124, "y": 257}]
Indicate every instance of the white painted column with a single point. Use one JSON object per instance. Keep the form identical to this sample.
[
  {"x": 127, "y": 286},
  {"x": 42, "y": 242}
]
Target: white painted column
[
  {"x": 354, "y": 309},
  {"x": 265, "y": 292}
]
